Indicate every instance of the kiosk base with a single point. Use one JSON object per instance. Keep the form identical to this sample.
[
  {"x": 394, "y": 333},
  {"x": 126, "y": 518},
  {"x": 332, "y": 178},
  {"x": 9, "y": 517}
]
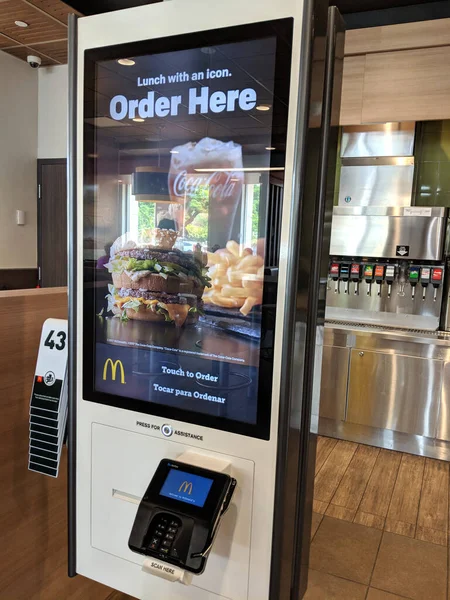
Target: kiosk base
[{"x": 117, "y": 491}]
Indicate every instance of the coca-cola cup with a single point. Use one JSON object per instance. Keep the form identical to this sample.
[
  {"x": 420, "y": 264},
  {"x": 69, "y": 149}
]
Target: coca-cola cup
[{"x": 212, "y": 165}]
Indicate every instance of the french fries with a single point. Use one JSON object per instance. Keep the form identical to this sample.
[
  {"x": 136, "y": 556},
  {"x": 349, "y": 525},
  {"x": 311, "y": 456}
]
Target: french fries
[{"x": 237, "y": 278}]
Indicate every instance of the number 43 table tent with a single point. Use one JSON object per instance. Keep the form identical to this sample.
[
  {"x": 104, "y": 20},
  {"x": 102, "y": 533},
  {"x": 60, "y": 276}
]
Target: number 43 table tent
[{"x": 48, "y": 404}]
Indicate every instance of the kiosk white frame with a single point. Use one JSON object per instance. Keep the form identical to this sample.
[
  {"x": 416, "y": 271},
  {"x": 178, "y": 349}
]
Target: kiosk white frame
[{"x": 110, "y": 452}]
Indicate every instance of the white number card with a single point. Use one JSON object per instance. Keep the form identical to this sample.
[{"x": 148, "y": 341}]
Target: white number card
[{"x": 48, "y": 404}]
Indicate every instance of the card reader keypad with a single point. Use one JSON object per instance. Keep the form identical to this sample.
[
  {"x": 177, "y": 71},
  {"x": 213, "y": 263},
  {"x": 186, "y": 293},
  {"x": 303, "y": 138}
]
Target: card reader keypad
[{"x": 162, "y": 533}]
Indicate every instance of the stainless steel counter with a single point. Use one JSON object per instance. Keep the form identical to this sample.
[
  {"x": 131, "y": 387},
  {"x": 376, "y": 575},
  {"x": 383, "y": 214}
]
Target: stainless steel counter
[{"x": 388, "y": 388}]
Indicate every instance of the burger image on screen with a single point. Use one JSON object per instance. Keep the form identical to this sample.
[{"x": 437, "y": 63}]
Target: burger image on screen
[{"x": 157, "y": 284}]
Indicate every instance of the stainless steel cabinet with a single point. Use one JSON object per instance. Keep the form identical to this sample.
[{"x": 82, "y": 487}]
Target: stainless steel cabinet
[
  {"x": 333, "y": 390},
  {"x": 393, "y": 391},
  {"x": 443, "y": 426}
]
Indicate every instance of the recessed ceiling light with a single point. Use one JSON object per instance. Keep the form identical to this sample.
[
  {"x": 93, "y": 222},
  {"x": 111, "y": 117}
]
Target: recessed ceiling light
[
  {"x": 126, "y": 62},
  {"x": 138, "y": 120},
  {"x": 174, "y": 152},
  {"x": 120, "y": 181},
  {"x": 21, "y": 23},
  {"x": 270, "y": 148},
  {"x": 234, "y": 179},
  {"x": 263, "y": 107}
]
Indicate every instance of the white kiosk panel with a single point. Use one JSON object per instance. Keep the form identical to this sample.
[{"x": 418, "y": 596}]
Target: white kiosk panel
[{"x": 128, "y": 417}]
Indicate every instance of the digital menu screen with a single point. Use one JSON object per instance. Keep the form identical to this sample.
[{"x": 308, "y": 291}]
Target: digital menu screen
[
  {"x": 182, "y": 149},
  {"x": 186, "y": 487}
]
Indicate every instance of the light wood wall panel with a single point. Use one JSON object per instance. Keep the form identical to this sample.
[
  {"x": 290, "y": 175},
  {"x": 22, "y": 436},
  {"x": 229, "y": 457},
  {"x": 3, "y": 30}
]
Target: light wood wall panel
[
  {"x": 33, "y": 509},
  {"x": 352, "y": 90},
  {"x": 406, "y": 36},
  {"x": 410, "y": 85}
]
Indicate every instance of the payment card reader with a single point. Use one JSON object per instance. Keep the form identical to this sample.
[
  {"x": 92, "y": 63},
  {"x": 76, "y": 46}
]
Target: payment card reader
[{"x": 179, "y": 515}]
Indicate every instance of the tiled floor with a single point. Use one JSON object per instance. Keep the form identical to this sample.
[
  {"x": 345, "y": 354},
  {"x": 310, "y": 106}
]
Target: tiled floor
[
  {"x": 389, "y": 491},
  {"x": 349, "y": 561},
  {"x": 380, "y": 527}
]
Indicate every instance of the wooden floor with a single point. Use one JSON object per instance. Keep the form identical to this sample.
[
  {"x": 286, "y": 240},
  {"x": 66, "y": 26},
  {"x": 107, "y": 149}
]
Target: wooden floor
[{"x": 390, "y": 491}]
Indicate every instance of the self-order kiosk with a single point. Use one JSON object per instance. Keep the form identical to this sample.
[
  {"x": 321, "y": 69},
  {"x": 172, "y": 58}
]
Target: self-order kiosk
[{"x": 198, "y": 142}]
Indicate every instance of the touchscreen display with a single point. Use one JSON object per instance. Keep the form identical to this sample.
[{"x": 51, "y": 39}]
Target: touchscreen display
[
  {"x": 183, "y": 150},
  {"x": 186, "y": 487}
]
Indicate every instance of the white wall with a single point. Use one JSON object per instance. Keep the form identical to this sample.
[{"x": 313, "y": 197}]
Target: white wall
[
  {"x": 53, "y": 106},
  {"x": 18, "y": 154}
]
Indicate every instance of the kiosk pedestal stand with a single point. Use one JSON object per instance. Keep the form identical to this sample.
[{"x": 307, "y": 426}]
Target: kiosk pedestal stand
[{"x": 199, "y": 137}]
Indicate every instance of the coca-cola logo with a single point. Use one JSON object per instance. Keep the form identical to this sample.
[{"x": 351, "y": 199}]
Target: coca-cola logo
[{"x": 221, "y": 184}]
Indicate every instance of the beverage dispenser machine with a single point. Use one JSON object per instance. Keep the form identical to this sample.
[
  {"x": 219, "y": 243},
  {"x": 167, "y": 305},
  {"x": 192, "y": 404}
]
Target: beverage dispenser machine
[
  {"x": 189, "y": 468},
  {"x": 400, "y": 252}
]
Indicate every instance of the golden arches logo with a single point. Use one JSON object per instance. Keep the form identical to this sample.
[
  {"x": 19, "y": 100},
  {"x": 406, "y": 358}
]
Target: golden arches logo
[
  {"x": 186, "y": 486},
  {"x": 114, "y": 365}
]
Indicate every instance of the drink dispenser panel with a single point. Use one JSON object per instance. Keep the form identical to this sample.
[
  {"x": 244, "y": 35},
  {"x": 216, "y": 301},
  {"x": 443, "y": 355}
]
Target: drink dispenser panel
[
  {"x": 389, "y": 232},
  {"x": 397, "y": 252}
]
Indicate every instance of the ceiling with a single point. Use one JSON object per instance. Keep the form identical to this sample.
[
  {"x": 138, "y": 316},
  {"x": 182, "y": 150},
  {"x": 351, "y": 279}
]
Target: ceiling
[{"x": 46, "y": 34}]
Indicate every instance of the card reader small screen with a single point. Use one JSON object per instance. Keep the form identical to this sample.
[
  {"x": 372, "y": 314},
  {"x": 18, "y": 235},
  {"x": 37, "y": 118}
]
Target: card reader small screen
[{"x": 186, "y": 487}]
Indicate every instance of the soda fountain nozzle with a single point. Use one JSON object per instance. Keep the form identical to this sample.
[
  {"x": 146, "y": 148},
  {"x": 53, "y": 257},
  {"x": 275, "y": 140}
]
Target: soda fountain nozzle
[
  {"x": 379, "y": 276},
  {"x": 334, "y": 272},
  {"x": 345, "y": 275},
  {"x": 437, "y": 277},
  {"x": 402, "y": 280},
  {"x": 355, "y": 276},
  {"x": 390, "y": 277},
  {"x": 368, "y": 277},
  {"x": 413, "y": 275},
  {"x": 425, "y": 276}
]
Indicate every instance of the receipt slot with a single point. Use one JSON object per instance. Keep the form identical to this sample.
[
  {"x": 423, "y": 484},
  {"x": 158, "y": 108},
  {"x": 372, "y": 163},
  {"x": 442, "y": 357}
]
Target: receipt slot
[
  {"x": 201, "y": 147},
  {"x": 180, "y": 513}
]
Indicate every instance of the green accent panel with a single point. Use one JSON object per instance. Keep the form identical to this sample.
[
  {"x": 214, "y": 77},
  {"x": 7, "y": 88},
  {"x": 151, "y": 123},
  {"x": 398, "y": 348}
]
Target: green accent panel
[
  {"x": 436, "y": 147},
  {"x": 444, "y": 176},
  {"x": 432, "y": 154},
  {"x": 427, "y": 184},
  {"x": 432, "y": 126}
]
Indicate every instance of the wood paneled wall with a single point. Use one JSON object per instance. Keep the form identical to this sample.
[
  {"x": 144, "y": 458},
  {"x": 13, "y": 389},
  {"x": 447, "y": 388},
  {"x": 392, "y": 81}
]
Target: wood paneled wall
[
  {"x": 407, "y": 85},
  {"x": 405, "y": 36},
  {"x": 33, "y": 509},
  {"x": 352, "y": 90},
  {"x": 397, "y": 73}
]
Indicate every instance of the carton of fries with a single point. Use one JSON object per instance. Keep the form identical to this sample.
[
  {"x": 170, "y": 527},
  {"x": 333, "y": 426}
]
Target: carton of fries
[{"x": 237, "y": 278}]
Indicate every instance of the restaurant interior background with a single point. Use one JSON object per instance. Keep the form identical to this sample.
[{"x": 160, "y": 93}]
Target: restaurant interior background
[
  {"x": 33, "y": 153},
  {"x": 33, "y": 145}
]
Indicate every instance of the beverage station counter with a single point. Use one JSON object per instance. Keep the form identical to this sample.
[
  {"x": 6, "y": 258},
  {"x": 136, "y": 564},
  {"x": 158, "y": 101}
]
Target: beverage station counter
[
  {"x": 386, "y": 347},
  {"x": 387, "y": 388}
]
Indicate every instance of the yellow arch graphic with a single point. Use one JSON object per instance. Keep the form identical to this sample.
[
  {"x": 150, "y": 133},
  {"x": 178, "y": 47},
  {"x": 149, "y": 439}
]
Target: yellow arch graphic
[
  {"x": 185, "y": 486},
  {"x": 114, "y": 365}
]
